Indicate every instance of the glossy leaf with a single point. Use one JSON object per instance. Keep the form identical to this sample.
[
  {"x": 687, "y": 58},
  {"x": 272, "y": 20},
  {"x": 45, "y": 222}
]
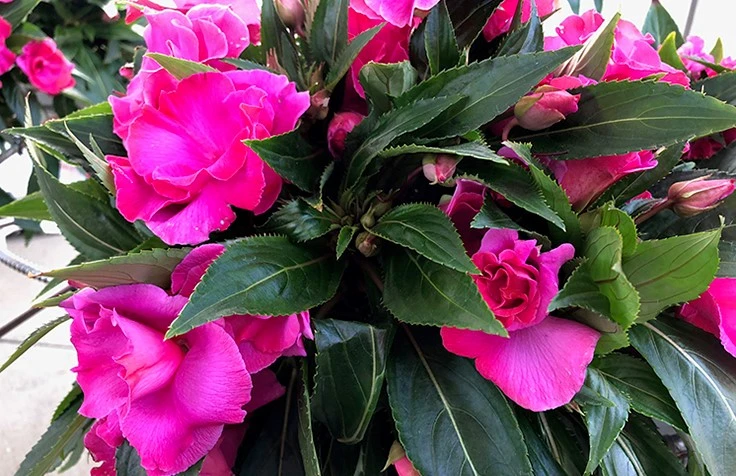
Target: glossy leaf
[
  {"x": 699, "y": 375},
  {"x": 347, "y": 57},
  {"x": 439, "y": 39},
  {"x": 262, "y": 275},
  {"x": 722, "y": 87},
  {"x": 344, "y": 238},
  {"x": 450, "y": 420},
  {"x": 475, "y": 150},
  {"x": 306, "y": 432},
  {"x": 604, "y": 423},
  {"x": 419, "y": 291},
  {"x": 541, "y": 458},
  {"x": 469, "y": 17},
  {"x": 428, "y": 231},
  {"x": 128, "y": 461},
  {"x": 277, "y": 39},
  {"x": 527, "y": 38},
  {"x": 301, "y": 222},
  {"x": 179, "y": 68},
  {"x": 673, "y": 270},
  {"x": 351, "y": 364},
  {"x": 30, "y": 207},
  {"x": 32, "y": 339},
  {"x": 329, "y": 34},
  {"x": 620, "y": 117},
  {"x": 385, "y": 82},
  {"x": 659, "y": 24},
  {"x": 151, "y": 266},
  {"x": 592, "y": 60},
  {"x": 491, "y": 216}
]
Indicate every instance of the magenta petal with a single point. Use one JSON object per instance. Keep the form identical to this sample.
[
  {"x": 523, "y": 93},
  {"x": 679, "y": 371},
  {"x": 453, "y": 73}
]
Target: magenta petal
[
  {"x": 101, "y": 441},
  {"x": 144, "y": 303},
  {"x": 724, "y": 292},
  {"x": 189, "y": 272},
  {"x": 539, "y": 367},
  {"x": 265, "y": 390},
  {"x": 135, "y": 199}
]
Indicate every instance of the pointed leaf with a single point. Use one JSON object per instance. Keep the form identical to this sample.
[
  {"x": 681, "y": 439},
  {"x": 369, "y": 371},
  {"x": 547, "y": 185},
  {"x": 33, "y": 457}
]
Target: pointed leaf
[
  {"x": 179, "y": 68},
  {"x": 15, "y": 12},
  {"x": 385, "y": 82},
  {"x": 722, "y": 86},
  {"x": 491, "y": 216},
  {"x": 527, "y": 38},
  {"x": 439, "y": 40},
  {"x": 301, "y": 222},
  {"x": 347, "y": 57},
  {"x": 469, "y": 17},
  {"x": 329, "y": 34},
  {"x": 541, "y": 458},
  {"x": 659, "y": 24},
  {"x": 475, "y": 150},
  {"x": 30, "y": 207},
  {"x": 592, "y": 60},
  {"x": 344, "y": 238},
  {"x": 32, "y": 339},
  {"x": 668, "y": 53},
  {"x": 306, "y": 433}
]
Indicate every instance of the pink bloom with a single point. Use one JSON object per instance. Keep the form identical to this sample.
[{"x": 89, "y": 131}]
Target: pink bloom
[
  {"x": 439, "y": 169},
  {"x": 541, "y": 365},
  {"x": 699, "y": 195},
  {"x": 404, "y": 467},
  {"x": 7, "y": 57},
  {"x": 171, "y": 399},
  {"x": 340, "y": 126},
  {"x": 729, "y": 136},
  {"x": 462, "y": 208},
  {"x": 183, "y": 188},
  {"x": 715, "y": 312},
  {"x": 633, "y": 57},
  {"x": 46, "y": 66},
  {"x": 399, "y": 13},
  {"x": 584, "y": 180},
  {"x": 546, "y": 106},
  {"x": 694, "y": 47},
  {"x": 126, "y": 71},
  {"x": 291, "y": 13},
  {"x": 703, "y": 148},
  {"x": 503, "y": 16},
  {"x": 645, "y": 195}
]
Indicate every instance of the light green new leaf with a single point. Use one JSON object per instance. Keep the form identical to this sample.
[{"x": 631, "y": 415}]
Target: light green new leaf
[
  {"x": 385, "y": 82},
  {"x": 668, "y": 53},
  {"x": 179, "y": 68}
]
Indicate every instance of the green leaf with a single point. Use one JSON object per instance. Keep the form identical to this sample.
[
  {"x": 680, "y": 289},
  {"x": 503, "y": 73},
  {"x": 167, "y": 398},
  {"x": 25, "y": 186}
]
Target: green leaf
[
  {"x": 717, "y": 51},
  {"x": 541, "y": 458},
  {"x": 575, "y": 6},
  {"x": 385, "y": 82},
  {"x": 673, "y": 270},
  {"x": 727, "y": 254},
  {"x": 262, "y": 275},
  {"x": 391, "y": 126},
  {"x": 306, "y": 434},
  {"x": 58, "y": 442},
  {"x": 668, "y": 53},
  {"x": 277, "y": 39},
  {"x": 486, "y": 89},
  {"x": 96, "y": 160},
  {"x": 179, "y": 68},
  {"x": 344, "y": 238},
  {"x": 475, "y": 150},
  {"x": 610, "y": 216},
  {"x": 598, "y": 5},
  {"x": 620, "y": 117},
  {"x": 150, "y": 266},
  {"x": 439, "y": 40},
  {"x": 428, "y": 231},
  {"x": 127, "y": 461},
  {"x": 516, "y": 185},
  {"x": 722, "y": 86},
  {"x": 699, "y": 375},
  {"x": 301, "y": 222},
  {"x": 527, "y": 38},
  {"x": 347, "y": 57},
  {"x": 94, "y": 121},
  {"x": 469, "y": 17},
  {"x": 645, "y": 391},
  {"x": 292, "y": 157},
  {"x": 604, "y": 423},
  {"x": 329, "y": 34},
  {"x": 30, "y": 207},
  {"x": 351, "y": 365},
  {"x": 450, "y": 420},
  {"x": 419, "y": 291},
  {"x": 16, "y": 11},
  {"x": 32, "y": 339},
  {"x": 660, "y": 25},
  {"x": 592, "y": 60},
  {"x": 491, "y": 216}
]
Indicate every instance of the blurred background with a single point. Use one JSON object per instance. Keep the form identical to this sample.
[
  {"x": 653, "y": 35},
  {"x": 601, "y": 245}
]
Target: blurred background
[{"x": 33, "y": 386}]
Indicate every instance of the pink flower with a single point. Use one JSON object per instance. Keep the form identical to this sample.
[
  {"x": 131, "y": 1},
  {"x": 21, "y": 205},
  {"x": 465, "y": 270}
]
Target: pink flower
[
  {"x": 633, "y": 57},
  {"x": 7, "y": 57},
  {"x": 584, "y": 180},
  {"x": 699, "y": 195},
  {"x": 546, "y": 106},
  {"x": 462, "y": 208},
  {"x": 46, "y": 66},
  {"x": 542, "y": 364},
  {"x": 340, "y": 126},
  {"x": 694, "y": 47},
  {"x": 171, "y": 399},
  {"x": 184, "y": 188},
  {"x": 703, "y": 148},
  {"x": 291, "y": 13},
  {"x": 399, "y": 13},
  {"x": 715, "y": 312},
  {"x": 404, "y": 467},
  {"x": 439, "y": 169},
  {"x": 503, "y": 16}
]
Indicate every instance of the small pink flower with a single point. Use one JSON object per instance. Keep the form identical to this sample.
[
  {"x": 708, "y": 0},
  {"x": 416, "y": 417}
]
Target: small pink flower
[
  {"x": 184, "y": 188},
  {"x": 7, "y": 57},
  {"x": 699, "y": 195},
  {"x": 584, "y": 180},
  {"x": 542, "y": 364},
  {"x": 439, "y": 169},
  {"x": 546, "y": 106},
  {"x": 399, "y": 13},
  {"x": 715, "y": 312},
  {"x": 503, "y": 16},
  {"x": 694, "y": 47},
  {"x": 462, "y": 208},
  {"x": 340, "y": 126},
  {"x": 46, "y": 66}
]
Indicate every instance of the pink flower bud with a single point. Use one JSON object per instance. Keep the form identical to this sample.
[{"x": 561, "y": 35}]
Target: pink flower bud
[
  {"x": 439, "y": 168},
  {"x": 338, "y": 130},
  {"x": 699, "y": 195},
  {"x": 291, "y": 13},
  {"x": 543, "y": 108},
  {"x": 126, "y": 71}
]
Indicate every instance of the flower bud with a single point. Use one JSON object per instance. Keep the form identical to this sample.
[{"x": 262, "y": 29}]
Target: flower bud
[
  {"x": 367, "y": 244},
  {"x": 699, "y": 195},
  {"x": 127, "y": 71},
  {"x": 439, "y": 168},
  {"x": 338, "y": 130},
  {"x": 319, "y": 105},
  {"x": 545, "y": 107},
  {"x": 291, "y": 13}
]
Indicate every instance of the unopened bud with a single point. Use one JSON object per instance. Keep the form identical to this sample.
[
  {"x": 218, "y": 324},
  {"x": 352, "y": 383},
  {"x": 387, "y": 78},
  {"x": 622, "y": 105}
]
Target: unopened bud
[
  {"x": 545, "y": 107},
  {"x": 319, "y": 105},
  {"x": 291, "y": 13},
  {"x": 127, "y": 71},
  {"x": 439, "y": 168},
  {"x": 699, "y": 195},
  {"x": 367, "y": 244},
  {"x": 340, "y": 126}
]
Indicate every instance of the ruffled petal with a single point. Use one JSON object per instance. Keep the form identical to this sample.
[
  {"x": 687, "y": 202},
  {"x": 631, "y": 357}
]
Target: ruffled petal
[{"x": 189, "y": 272}]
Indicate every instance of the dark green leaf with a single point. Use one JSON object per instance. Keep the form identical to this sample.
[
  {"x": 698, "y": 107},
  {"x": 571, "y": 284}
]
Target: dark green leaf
[
  {"x": 566, "y": 438},
  {"x": 94, "y": 121},
  {"x": 542, "y": 460},
  {"x": 727, "y": 254},
  {"x": 668, "y": 53},
  {"x": 306, "y": 434},
  {"x": 604, "y": 423},
  {"x": 722, "y": 87},
  {"x": 621, "y": 117},
  {"x": 179, "y": 68},
  {"x": 475, "y": 150},
  {"x": 592, "y": 60},
  {"x": 329, "y": 34},
  {"x": 419, "y": 291},
  {"x": 344, "y": 238},
  {"x": 660, "y": 24},
  {"x": 127, "y": 461},
  {"x": 439, "y": 40},
  {"x": 699, "y": 375},
  {"x": 351, "y": 364},
  {"x": 486, "y": 87},
  {"x": 673, "y": 270},
  {"x": 469, "y": 17},
  {"x": 450, "y": 420},
  {"x": 30, "y": 207},
  {"x": 292, "y": 157},
  {"x": 428, "y": 231},
  {"x": 385, "y": 82},
  {"x": 646, "y": 393},
  {"x": 347, "y": 57},
  {"x": 575, "y": 6},
  {"x": 262, "y": 275},
  {"x": 276, "y": 38},
  {"x": 598, "y": 5},
  {"x": 491, "y": 216},
  {"x": 32, "y": 339},
  {"x": 150, "y": 266},
  {"x": 527, "y": 38},
  {"x": 301, "y": 222},
  {"x": 16, "y": 11}
]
